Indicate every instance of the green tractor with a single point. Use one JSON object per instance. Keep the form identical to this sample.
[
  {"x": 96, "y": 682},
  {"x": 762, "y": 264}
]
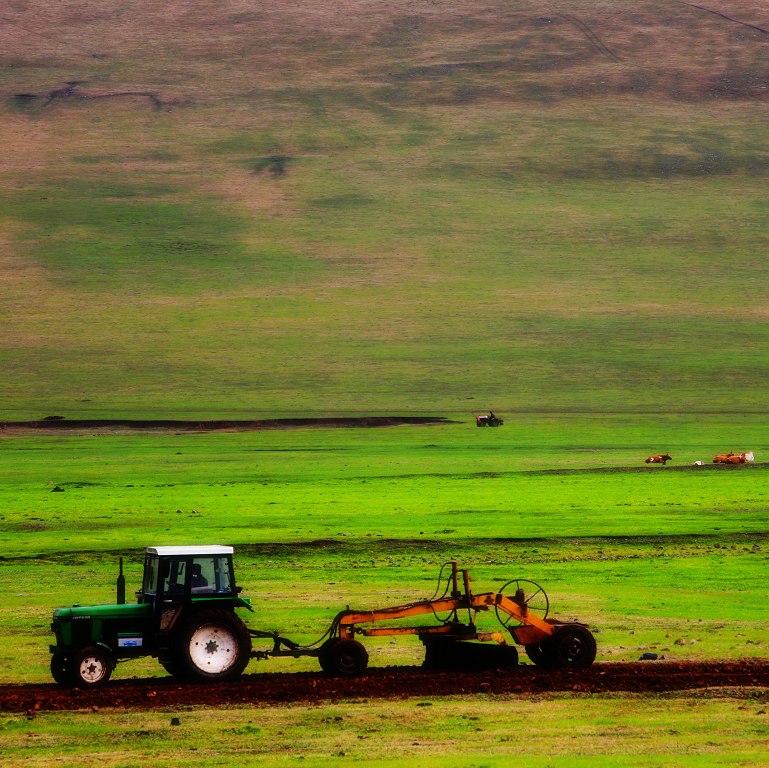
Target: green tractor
[{"x": 184, "y": 615}]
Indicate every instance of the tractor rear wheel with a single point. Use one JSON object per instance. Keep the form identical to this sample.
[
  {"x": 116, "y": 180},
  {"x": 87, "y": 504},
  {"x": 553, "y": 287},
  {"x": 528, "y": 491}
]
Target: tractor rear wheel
[
  {"x": 573, "y": 647},
  {"x": 212, "y": 645},
  {"x": 343, "y": 657},
  {"x": 90, "y": 667},
  {"x": 172, "y": 668}
]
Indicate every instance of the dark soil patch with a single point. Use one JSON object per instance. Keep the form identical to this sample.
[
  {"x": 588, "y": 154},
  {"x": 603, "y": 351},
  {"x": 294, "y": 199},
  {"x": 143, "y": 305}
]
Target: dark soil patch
[
  {"x": 60, "y": 424},
  {"x": 72, "y": 91},
  {"x": 391, "y": 683},
  {"x": 274, "y": 165}
]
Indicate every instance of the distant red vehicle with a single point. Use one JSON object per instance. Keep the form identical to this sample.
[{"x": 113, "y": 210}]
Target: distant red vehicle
[{"x": 488, "y": 421}]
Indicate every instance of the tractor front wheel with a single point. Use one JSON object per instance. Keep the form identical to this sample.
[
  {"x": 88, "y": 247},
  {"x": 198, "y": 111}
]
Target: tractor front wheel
[
  {"x": 212, "y": 645},
  {"x": 343, "y": 657},
  {"x": 90, "y": 667},
  {"x": 60, "y": 670}
]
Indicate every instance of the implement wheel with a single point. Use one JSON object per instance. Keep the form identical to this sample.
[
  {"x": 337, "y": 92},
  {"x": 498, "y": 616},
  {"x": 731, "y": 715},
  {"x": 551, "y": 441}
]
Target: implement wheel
[
  {"x": 573, "y": 647},
  {"x": 343, "y": 657},
  {"x": 541, "y": 655},
  {"x": 212, "y": 645},
  {"x": 528, "y": 594}
]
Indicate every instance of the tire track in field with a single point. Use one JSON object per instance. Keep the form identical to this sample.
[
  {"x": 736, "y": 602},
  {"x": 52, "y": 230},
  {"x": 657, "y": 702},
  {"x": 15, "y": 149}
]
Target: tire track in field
[
  {"x": 729, "y": 18},
  {"x": 594, "y": 40}
]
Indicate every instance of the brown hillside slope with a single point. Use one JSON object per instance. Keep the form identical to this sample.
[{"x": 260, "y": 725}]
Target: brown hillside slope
[
  {"x": 368, "y": 205},
  {"x": 153, "y": 54}
]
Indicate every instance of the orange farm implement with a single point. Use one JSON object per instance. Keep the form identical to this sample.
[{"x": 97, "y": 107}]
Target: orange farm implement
[{"x": 185, "y": 616}]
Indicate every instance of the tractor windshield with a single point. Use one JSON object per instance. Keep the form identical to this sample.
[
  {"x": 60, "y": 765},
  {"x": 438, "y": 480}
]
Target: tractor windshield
[{"x": 195, "y": 575}]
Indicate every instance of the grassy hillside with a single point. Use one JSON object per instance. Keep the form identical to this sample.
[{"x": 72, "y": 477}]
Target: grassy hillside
[{"x": 221, "y": 208}]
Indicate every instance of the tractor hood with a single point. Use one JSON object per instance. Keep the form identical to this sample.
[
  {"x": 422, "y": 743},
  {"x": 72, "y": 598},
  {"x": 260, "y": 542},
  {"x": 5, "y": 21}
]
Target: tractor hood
[{"x": 122, "y": 611}]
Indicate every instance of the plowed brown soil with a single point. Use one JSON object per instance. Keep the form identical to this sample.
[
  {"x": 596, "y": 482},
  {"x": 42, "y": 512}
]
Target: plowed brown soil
[{"x": 394, "y": 682}]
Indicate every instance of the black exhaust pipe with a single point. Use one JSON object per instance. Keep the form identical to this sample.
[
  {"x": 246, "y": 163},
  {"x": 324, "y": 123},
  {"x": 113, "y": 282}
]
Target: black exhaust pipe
[{"x": 121, "y": 585}]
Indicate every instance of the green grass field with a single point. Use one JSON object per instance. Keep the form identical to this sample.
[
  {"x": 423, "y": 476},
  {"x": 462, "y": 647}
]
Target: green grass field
[
  {"x": 323, "y": 518},
  {"x": 668, "y": 559},
  {"x": 477, "y": 732},
  {"x": 217, "y": 210}
]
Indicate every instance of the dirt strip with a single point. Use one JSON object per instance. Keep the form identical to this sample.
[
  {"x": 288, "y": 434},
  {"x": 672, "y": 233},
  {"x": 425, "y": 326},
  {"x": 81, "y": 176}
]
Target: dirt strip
[
  {"x": 55, "y": 424},
  {"x": 391, "y": 683}
]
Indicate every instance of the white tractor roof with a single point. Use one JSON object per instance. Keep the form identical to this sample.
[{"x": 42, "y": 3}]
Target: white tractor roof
[{"x": 208, "y": 549}]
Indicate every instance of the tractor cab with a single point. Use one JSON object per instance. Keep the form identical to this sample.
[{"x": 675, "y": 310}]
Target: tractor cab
[
  {"x": 181, "y": 580},
  {"x": 184, "y": 615},
  {"x": 174, "y": 574}
]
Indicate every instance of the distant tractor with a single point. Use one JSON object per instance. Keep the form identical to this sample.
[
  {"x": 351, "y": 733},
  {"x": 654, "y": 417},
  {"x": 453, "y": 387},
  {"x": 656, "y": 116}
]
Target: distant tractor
[
  {"x": 488, "y": 421},
  {"x": 185, "y": 616}
]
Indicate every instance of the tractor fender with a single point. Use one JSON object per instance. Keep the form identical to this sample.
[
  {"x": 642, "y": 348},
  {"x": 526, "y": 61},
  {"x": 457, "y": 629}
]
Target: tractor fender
[
  {"x": 108, "y": 649},
  {"x": 222, "y": 602}
]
